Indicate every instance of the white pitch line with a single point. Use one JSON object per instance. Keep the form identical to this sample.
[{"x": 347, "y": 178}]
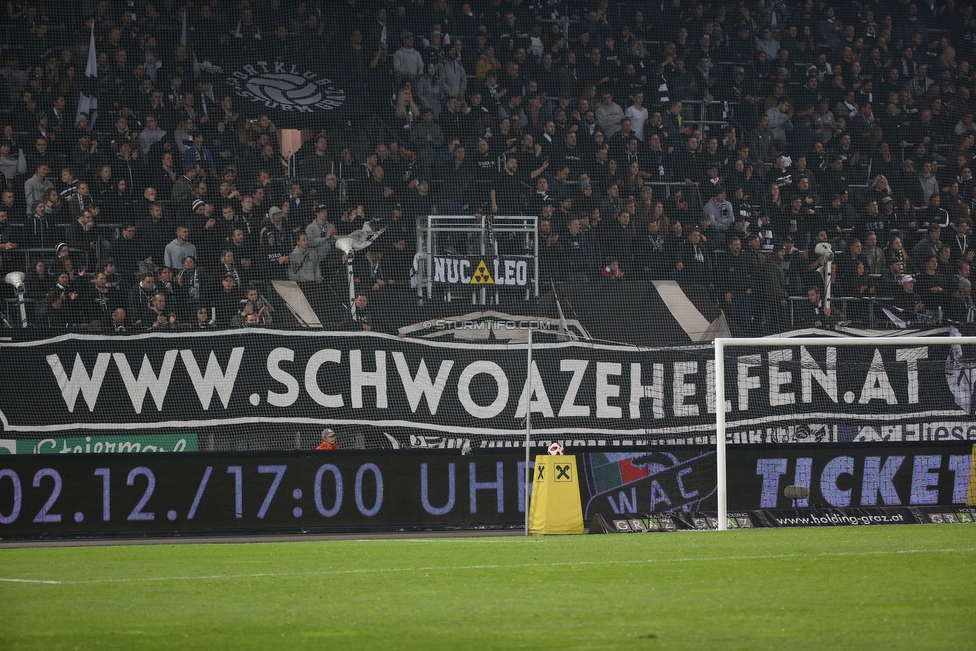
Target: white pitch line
[
  {"x": 30, "y": 581},
  {"x": 447, "y": 568}
]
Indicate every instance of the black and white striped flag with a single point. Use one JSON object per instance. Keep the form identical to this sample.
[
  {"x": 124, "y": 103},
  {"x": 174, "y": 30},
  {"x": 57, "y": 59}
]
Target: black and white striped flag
[{"x": 87, "y": 96}]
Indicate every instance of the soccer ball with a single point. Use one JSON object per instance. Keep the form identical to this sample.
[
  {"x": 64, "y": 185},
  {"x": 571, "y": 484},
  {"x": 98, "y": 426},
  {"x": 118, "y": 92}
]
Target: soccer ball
[{"x": 555, "y": 448}]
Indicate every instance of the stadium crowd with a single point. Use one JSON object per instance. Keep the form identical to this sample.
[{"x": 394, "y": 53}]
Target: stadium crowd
[{"x": 712, "y": 143}]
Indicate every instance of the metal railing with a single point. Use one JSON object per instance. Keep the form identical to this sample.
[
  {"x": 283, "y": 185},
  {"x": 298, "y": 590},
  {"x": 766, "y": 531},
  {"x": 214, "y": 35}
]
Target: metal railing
[
  {"x": 845, "y": 301},
  {"x": 479, "y": 231}
]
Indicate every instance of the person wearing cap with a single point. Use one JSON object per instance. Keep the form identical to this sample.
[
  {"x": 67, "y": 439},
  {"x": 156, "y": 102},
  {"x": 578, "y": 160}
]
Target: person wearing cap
[
  {"x": 329, "y": 441},
  {"x": 907, "y": 302},
  {"x": 721, "y": 214},
  {"x": 196, "y": 206},
  {"x": 408, "y": 63},
  {"x": 961, "y": 308},
  {"x": 271, "y": 258}
]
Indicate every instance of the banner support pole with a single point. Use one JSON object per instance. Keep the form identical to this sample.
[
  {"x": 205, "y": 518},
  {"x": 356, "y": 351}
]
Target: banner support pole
[
  {"x": 528, "y": 428},
  {"x": 720, "y": 478}
]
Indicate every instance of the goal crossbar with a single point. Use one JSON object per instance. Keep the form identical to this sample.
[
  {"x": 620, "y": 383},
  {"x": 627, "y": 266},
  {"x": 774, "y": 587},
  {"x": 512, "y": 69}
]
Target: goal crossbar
[{"x": 720, "y": 422}]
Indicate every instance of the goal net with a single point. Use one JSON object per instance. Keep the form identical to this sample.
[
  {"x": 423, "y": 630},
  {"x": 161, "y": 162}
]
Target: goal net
[{"x": 912, "y": 389}]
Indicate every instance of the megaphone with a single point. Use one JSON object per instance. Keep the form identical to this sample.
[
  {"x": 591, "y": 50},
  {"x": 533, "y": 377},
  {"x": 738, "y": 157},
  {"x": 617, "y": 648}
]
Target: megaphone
[
  {"x": 358, "y": 240},
  {"x": 824, "y": 251},
  {"x": 16, "y": 280}
]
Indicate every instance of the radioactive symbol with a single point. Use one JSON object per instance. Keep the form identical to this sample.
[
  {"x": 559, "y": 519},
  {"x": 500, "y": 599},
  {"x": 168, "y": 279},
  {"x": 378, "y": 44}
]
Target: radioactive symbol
[{"x": 481, "y": 275}]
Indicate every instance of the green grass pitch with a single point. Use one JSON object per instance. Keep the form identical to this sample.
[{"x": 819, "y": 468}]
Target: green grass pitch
[{"x": 900, "y": 587}]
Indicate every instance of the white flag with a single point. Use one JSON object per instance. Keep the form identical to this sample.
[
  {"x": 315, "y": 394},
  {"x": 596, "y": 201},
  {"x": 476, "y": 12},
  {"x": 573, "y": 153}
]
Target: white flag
[
  {"x": 88, "y": 102},
  {"x": 183, "y": 42}
]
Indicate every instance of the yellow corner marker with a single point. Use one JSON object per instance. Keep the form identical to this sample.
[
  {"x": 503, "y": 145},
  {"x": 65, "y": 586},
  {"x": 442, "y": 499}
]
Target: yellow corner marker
[{"x": 555, "y": 505}]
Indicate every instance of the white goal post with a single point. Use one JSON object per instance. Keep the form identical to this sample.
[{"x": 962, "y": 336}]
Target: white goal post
[{"x": 720, "y": 402}]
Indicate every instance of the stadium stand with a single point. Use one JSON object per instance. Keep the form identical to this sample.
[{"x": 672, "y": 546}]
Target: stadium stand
[{"x": 206, "y": 151}]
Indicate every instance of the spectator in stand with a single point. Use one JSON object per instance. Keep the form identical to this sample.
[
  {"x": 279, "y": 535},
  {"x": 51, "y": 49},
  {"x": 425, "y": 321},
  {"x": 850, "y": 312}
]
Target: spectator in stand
[
  {"x": 578, "y": 253},
  {"x": 932, "y": 286},
  {"x": 303, "y": 262},
  {"x": 363, "y": 319},
  {"x": 739, "y": 282},
  {"x": 408, "y": 64},
  {"x": 934, "y": 213},
  {"x": 178, "y": 249},
  {"x": 814, "y": 313},
  {"x": 271, "y": 259},
  {"x": 36, "y": 186},
  {"x": 919, "y": 99},
  {"x": 907, "y": 303},
  {"x": 329, "y": 440},
  {"x": 192, "y": 287},
  {"x": 720, "y": 211},
  {"x": 693, "y": 265},
  {"x": 927, "y": 247},
  {"x": 961, "y": 308},
  {"x": 619, "y": 239},
  {"x": 960, "y": 242}
]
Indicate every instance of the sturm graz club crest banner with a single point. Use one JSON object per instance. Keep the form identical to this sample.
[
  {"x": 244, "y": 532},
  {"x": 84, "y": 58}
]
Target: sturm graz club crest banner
[
  {"x": 417, "y": 389},
  {"x": 289, "y": 92}
]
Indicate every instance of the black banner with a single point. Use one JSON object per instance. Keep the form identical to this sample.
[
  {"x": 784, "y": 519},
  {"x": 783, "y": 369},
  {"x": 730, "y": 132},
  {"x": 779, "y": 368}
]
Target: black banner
[
  {"x": 577, "y": 391},
  {"x": 99, "y": 494},
  {"x": 683, "y": 479},
  {"x": 484, "y": 270}
]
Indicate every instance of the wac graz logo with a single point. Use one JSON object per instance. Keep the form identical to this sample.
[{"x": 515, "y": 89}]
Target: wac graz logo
[{"x": 287, "y": 87}]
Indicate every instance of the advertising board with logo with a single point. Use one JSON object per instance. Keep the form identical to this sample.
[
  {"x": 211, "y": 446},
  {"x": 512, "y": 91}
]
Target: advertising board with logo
[{"x": 96, "y": 494}]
